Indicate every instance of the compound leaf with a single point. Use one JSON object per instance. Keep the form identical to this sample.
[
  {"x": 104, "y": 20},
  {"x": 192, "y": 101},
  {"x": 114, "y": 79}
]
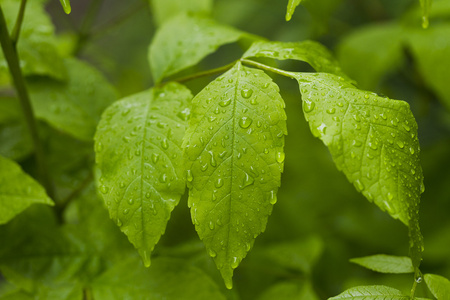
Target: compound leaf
[
  {"x": 17, "y": 190},
  {"x": 439, "y": 286},
  {"x": 292, "y": 5},
  {"x": 385, "y": 263},
  {"x": 74, "y": 106},
  {"x": 373, "y": 141},
  {"x": 140, "y": 161},
  {"x": 168, "y": 278},
  {"x": 185, "y": 40},
  {"x": 373, "y": 292},
  {"x": 163, "y": 10},
  {"x": 234, "y": 150},
  {"x": 310, "y": 52}
]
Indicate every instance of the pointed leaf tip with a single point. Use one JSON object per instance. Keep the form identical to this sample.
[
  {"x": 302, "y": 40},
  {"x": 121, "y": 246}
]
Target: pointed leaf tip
[
  {"x": 145, "y": 255},
  {"x": 66, "y": 6},
  {"x": 291, "y": 8}
]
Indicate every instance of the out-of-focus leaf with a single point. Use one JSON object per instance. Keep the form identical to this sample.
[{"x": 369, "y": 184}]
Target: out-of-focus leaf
[
  {"x": 17, "y": 190},
  {"x": 290, "y": 291},
  {"x": 426, "y": 5},
  {"x": 163, "y": 10},
  {"x": 74, "y": 106},
  {"x": 439, "y": 286},
  {"x": 184, "y": 41},
  {"x": 66, "y": 6},
  {"x": 385, "y": 263},
  {"x": 167, "y": 278},
  {"x": 15, "y": 141}
]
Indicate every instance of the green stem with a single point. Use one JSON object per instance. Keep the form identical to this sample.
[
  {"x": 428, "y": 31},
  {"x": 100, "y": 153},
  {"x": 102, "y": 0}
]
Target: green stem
[
  {"x": 205, "y": 73},
  {"x": 417, "y": 280},
  {"x": 19, "y": 82},
  {"x": 267, "y": 68},
  {"x": 16, "y": 30},
  {"x": 88, "y": 21}
]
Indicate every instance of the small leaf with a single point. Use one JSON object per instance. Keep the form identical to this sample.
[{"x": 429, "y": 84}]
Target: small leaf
[
  {"x": 439, "y": 286},
  {"x": 234, "y": 150},
  {"x": 373, "y": 292},
  {"x": 291, "y": 8},
  {"x": 74, "y": 106},
  {"x": 373, "y": 141},
  {"x": 17, "y": 190},
  {"x": 164, "y": 10},
  {"x": 140, "y": 163},
  {"x": 66, "y": 6},
  {"x": 184, "y": 41},
  {"x": 168, "y": 278},
  {"x": 310, "y": 52},
  {"x": 426, "y": 5},
  {"x": 385, "y": 263}
]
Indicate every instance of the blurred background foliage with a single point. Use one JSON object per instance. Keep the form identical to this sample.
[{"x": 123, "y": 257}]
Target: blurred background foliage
[{"x": 319, "y": 221}]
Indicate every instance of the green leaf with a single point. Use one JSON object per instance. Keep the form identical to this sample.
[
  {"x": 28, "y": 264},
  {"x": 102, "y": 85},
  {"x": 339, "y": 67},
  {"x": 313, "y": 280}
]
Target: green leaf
[
  {"x": 16, "y": 141},
  {"x": 37, "y": 47},
  {"x": 426, "y": 5},
  {"x": 373, "y": 141},
  {"x": 17, "y": 190},
  {"x": 300, "y": 255},
  {"x": 168, "y": 278},
  {"x": 164, "y": 10},
  {"x": 184, "y": 41},
  {"x": 234, "y": 150},
  {"x": 310, "y": 52},
  {"x": 432, "y": 53},
  {"x": 377, "y": 48},
  {"x": 291, "y": 8},
  {"x": 139, "y": 158},
  {"x": 290, "y": 291},
  {"x": 385, "y": 263},
  {"x": 373, "y": 292},
  {"x": 66, "y": 6},
  {"x": 439, "y": 286},
  {"x": 74, "y": 106}
]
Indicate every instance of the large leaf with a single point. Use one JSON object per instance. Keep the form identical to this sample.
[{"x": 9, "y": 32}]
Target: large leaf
[
  {"x": 74, "y": 106},
  {"x": 373, "y": 292},
  {"x": 432, "y": 53},
  {"x": 37, "y": 46},
  {"x": 311, "y": 52},
  {"x": 17, "y": 190},
  {"x": 234, "y": 150},
  {"x": 373, "y": 141},
  {"x": 184, "y": 41},
  {"x": 439, "y": 286},
  {"x": 139, "y": 156},
  {"x": 385, "y": 263},
  {"x": 377, "y": 48},
  {"x": 163, "y": 10},
  {"x": 168, "y": 278}
]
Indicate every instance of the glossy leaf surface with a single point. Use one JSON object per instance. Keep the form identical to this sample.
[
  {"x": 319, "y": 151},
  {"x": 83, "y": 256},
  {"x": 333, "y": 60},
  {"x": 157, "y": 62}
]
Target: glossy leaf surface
[
  {"x": 385, "y": 263},
  {"x": 138, "y": 154},
  {"x": 234, "y": 150},
  {"x": 17, "y": 190},
  {"x": 373, "y": 292},
  {"x": 184, "y": 41},
  {"x": 438, "y": 285}
]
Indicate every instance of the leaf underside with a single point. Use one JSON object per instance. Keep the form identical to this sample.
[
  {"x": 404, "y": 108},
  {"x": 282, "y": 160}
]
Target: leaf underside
[
  {"x": 140, "y": 161},
  {"x": 385, "y": 263},
  {"x": 373, "y": 141},
  {"x": 17, "y": 190},
  {"x": 234, "y": 157}
]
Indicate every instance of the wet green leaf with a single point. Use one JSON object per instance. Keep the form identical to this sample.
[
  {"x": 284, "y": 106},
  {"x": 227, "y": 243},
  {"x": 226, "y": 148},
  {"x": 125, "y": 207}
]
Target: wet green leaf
[
  {"x": 66, "y": 6},
  {"x": 17, "y": 190},
  {"x": 74, "y": 106},
  {"x": 373, "y": 292},
  {"x": 234, "y": 150},
  {"x": 184, "y": 41},
  {"x": 140, "y": 163},
  {"x": 292, "y": 4},
  {"x": 385, "y": 263},
  {"x": 439, "y": 286},
  {"x": 163, "y": 10}
]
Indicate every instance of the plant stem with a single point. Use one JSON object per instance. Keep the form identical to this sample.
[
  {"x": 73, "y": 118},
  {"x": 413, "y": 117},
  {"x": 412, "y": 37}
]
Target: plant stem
[
  {"x": 205, "y": 73},
  {"x": 12, "y": 59},
  {"x": 267, "y": 68},
  {"x": 417, "y": 279},
  {"x": 16, "y": 30}
]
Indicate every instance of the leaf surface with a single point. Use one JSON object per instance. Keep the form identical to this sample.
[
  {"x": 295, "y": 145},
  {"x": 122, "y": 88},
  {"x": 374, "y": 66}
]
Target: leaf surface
[
  {"x": 163, "y": 10},
  {"x": 234, "y": 150},
  {"x": 310, "y": 52},
  {"x": 292, "y": 5},
  {"x": 439, "y": 286},
  {"x": 385, "y": 263},
  {"x": 17, "y": 190},
  {"x": 373, "y": 292},
  {"x": 373, "y": 141},
  {"x": 74, "y": 106},
  {"x": 139, "y": 156},
  {"x": 287, "y": 290},
  {"x": 184, "y": 41},
  {"x": 168, "y": 278}
]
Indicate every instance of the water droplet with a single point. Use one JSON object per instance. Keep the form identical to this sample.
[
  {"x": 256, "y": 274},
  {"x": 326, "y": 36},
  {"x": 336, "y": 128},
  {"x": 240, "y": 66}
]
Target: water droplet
[
  {"x": 331, "y": 110},
  {"x": 189, "y": 176},
  {"x": 245, "y": 122},
  {"x": 99, "y": 147},
  {"x": 155, "y": 158},
  {"x": 400, "y": 144},
  {"x": 246, "y": 93},
  {"x": 358, "y": 185},
  {"x": 163, "y": 178},
  {"x": 407, "y": 128},
  {"x": 184, "y": 114},
  {"x": 373, "y": 146},
  {"x": 104, "y": 189},
  {"x": 411, "y": 149},
  {"x": 390, "y": 196},
  {"x": 280, "y": 157},
  {"x": 212, "y": 253},
  {"x": 248, "y": 180},
  {"x": 225, "y": 102},
  {"x": 164, "y": 144},
  {"x": 148, "y": 195},
  {"x": 419, "y": 279},
  {"x": 211, "y": 225},
  {"x": 219, "y": 183},
  {"x": 126, "y": 211},
  {"x": 213, "y": 160},
  {"x": 235, "y": 262},
  {"x": 422, "y": 188},
  {"x": 119, "y": 222},
  {"x": 130, "y": 201},
  {"x": 357, "y": 143},
  {"x": 308, "y": 106},
  {"x": 272, "y": 197}
]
